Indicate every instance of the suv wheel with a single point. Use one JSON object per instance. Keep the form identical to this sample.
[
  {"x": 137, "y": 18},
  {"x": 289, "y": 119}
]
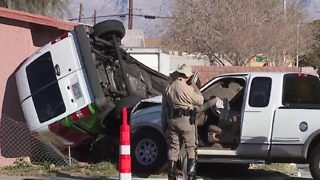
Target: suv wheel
[
  {"x": 106, "y": 29},
  {"x": 314, "y": 162},
  {"x": 149, "y": 151}
]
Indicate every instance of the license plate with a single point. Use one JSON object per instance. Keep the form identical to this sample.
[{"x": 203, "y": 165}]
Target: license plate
[{"x": 76, "y": 90}]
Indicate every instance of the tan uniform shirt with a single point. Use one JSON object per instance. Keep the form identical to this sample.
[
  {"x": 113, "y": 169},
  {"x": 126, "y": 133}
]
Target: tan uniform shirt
[{"x": 182, "y": 95}]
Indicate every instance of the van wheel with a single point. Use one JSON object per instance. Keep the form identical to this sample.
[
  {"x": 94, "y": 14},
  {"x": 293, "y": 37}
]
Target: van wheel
[
  {"x": 314, "y": 162},
  {"x": 148, "y": 152},
  {"x": 106, "y": 29}
]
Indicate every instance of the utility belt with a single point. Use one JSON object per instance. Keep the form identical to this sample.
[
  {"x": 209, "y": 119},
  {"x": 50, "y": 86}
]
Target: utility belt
[{"x": 179, "y": 112}]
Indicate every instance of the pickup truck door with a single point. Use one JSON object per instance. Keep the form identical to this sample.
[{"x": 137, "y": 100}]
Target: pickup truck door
[
  {"x": 257, "y": 118},
  {"x": 298, "y": 117}
]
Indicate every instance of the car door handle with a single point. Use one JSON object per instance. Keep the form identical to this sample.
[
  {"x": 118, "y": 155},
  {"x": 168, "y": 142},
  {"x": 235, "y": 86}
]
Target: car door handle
[{"x": 57, "y": 68}]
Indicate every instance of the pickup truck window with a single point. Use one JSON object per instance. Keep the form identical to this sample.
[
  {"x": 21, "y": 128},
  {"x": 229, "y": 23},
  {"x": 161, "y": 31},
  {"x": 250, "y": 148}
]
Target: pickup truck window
[
  {"x": 44, "y": 88},
  {"x": 260, "y": 92},
  {"x": 301, "y": 89},
  {"x": 227, "y": 87}
]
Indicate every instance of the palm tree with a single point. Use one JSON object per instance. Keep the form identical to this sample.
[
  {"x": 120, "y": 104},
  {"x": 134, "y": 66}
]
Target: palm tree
[{"x": 53, "y": 8}]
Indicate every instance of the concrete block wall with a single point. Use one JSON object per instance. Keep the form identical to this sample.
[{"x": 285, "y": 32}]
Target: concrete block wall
[{"x": 21, "y": 35}]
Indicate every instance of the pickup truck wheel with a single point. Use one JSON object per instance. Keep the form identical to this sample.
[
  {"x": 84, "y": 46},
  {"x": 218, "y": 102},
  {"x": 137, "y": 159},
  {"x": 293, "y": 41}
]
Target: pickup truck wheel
[
  {"x": 314, "y": 162},
  {"x": 105, "y": 29},
  {"x": 148, "y": 151}
]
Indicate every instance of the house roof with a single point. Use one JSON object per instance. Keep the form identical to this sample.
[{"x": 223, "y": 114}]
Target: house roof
[
  {"x": 36, "y": 19},
  {"x": 133, "y": 38},
  {"x": 153, "y": 43}
]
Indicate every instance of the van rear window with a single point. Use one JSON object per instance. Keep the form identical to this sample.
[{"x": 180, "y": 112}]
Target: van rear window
[
  {"x": 44, "y": 87},
  {"x": 301, "y": 89}
]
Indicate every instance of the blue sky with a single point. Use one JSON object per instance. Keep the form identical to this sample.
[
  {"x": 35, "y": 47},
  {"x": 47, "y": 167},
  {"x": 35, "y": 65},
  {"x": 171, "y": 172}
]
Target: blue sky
[
  {"x": 111, "y": 7},
  {"x": 151, "y": 7},
  {"x": 108, "y": 7},
  {"x": 314, "y": 8},
  {"x": 155, "y": 7}
]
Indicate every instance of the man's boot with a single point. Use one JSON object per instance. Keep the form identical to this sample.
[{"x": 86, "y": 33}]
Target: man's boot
[
  {"x": 191, "y": 167},
  {"x": 172, "y": 170}
]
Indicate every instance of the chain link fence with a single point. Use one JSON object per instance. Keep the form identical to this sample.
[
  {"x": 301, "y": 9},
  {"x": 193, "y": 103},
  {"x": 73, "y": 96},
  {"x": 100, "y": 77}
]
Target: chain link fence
[{"x": 17, "y": 142}]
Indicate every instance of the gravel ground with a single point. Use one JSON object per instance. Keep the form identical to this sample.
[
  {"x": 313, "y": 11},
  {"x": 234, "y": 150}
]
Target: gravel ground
[
  {"x": 180, "y": 178},
  {"x": 302, "y": 173}
]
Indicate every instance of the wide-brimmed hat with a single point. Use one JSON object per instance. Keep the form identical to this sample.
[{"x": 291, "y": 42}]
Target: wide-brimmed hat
[{"x": 185, "y": 69}]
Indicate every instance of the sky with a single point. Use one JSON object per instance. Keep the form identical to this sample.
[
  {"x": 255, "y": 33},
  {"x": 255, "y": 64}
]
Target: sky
[
  {"x": 111, "y": 7},
  {"x": 150, "y": 7},
  {"x": 313, "y": 8}
]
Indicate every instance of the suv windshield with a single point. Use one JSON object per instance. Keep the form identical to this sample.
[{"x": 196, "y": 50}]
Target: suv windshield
[{"x": 44, "y": 88}]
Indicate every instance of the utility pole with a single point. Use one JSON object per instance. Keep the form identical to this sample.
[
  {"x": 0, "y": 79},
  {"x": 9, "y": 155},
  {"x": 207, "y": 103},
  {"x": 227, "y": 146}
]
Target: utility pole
[
  {"x": 284, "y": 8},
  {"x": 94, "y": 17},
  {"x": 80, "y": 12},
  {"x": 285, "y": 21},
  {"x": 297, "y": 56},
  {"x": 130, "y": 21}
]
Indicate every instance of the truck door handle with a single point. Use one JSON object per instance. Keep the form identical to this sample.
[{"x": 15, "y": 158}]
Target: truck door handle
[{"x": 57, "y": 68}]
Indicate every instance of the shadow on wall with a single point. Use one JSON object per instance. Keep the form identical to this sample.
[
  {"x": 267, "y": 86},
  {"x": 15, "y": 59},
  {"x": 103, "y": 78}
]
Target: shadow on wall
[
  {"x": 41, "y": 35},
  {"x": 14, "y": 133}
]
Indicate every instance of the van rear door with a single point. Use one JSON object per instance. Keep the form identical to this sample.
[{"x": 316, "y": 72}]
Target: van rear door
[
  {"x": 65, "y": 58},
  {"x": 52, "y": 84}
]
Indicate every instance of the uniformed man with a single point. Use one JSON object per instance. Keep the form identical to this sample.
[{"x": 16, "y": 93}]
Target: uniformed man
[{"x": 179, "y": 102}]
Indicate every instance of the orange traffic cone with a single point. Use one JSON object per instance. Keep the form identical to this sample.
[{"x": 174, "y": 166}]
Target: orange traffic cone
[{"x": 125, "y": 158}]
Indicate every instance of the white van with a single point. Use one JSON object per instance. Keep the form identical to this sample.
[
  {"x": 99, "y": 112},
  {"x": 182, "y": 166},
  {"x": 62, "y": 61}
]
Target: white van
[{"x": 73, "y": 89}]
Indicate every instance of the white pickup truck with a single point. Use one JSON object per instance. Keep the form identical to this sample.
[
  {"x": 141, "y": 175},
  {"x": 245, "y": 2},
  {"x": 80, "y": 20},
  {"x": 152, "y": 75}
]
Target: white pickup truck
[{"x": 271, "y": 117}]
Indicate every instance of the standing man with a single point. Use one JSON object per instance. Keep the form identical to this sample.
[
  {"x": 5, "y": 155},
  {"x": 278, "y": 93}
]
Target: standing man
[{"x": 179, "y": 102}]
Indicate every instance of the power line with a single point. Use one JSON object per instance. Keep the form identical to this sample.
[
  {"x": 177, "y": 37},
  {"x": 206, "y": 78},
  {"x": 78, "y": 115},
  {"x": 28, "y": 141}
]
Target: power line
[
  {"x": 125, "y": 14},
  {"x": 105, "y": 5}
]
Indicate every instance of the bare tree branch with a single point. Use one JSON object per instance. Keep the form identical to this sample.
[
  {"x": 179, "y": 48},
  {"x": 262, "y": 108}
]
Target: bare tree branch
[
  {"x": 238, "y": 30},
  {"x": 53, "y": 8}
]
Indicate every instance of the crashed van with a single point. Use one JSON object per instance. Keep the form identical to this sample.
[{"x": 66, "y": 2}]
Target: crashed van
[{"x": 73, "y": 89}]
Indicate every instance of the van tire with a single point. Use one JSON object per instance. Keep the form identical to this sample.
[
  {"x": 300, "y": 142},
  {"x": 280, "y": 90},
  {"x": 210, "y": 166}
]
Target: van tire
[
  {"x": 105, "y": 29},
  {"x": 153, "y": 140},
  {"x": 314, "y": 160}
]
